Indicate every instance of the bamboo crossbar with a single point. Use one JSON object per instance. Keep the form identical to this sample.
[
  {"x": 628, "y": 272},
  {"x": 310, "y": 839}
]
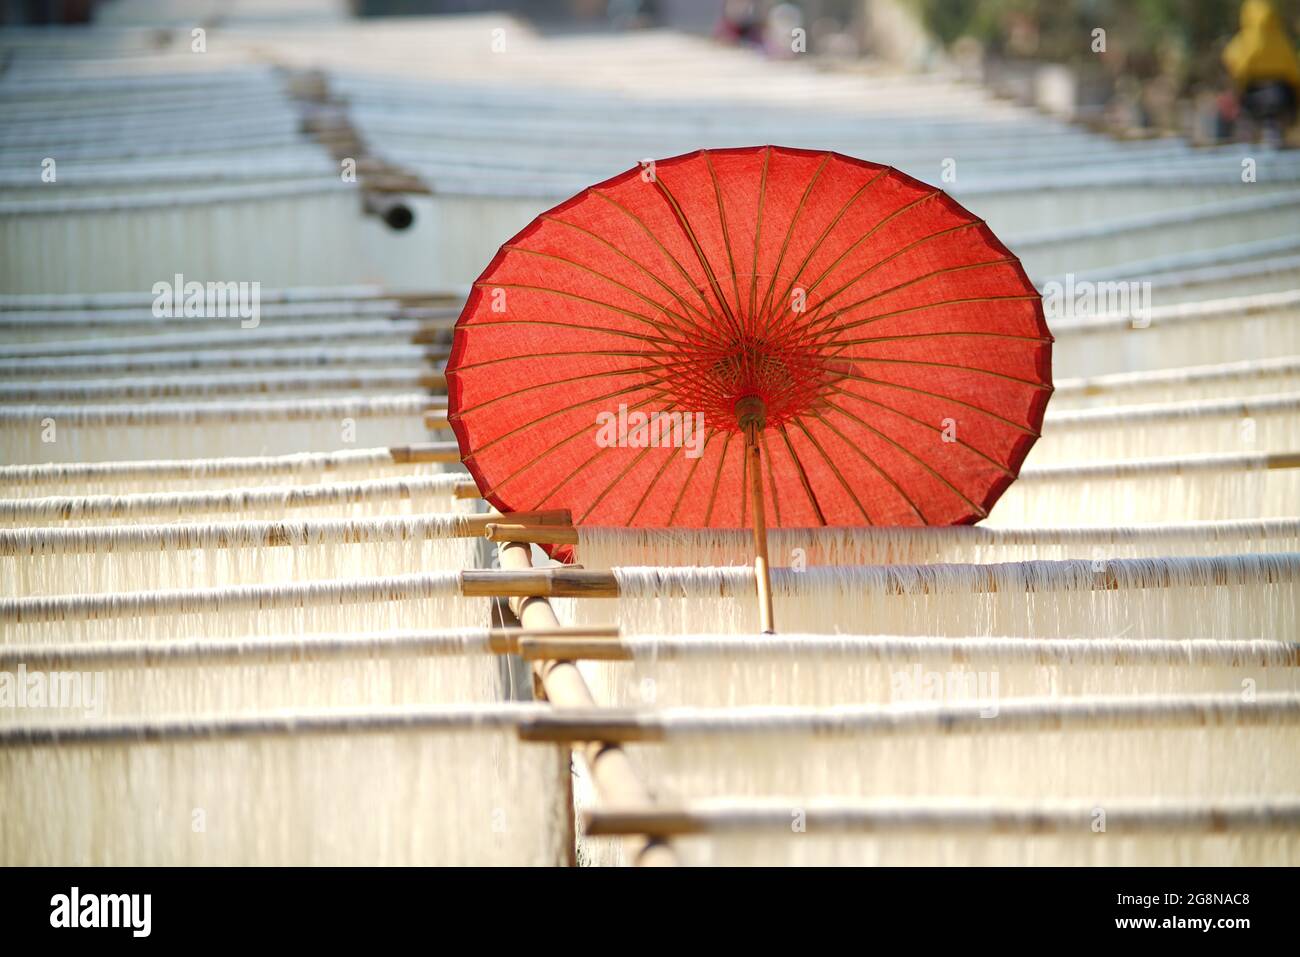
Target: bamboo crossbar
[
  {"x": 1157, "y": 412},
  {"x": 226, "y": 413},
  {"x": 876, "y": 648},
  {"x": 298, "y": 462},
  {"x": 1229, "y": 309},
  {"x": 1218, "y": 372},
  {"x": 266, "y": 534},
  {"x": 64, "y": 507},
  {"x": 1177, "y": 465},
  {"x": 919, "y": 818},
  {"x": 671, "y": 582},
  {"x": 282, "y": 648},
  {"x": 562, "y": 582},
  {"x": 309, "y": 357},
  {"x": 214, "y": 385},
  {"x": 296, "y": 723},
  {"x": 559, "y": 534},
  {"x": 1029, "y": 715},
  {"x": 1111, "y": 469}
]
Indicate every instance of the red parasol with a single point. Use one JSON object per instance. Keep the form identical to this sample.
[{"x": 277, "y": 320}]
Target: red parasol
[{"x": 737, "y": 336}]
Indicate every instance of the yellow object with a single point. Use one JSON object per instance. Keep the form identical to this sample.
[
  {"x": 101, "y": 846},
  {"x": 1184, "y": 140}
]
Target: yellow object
[{"x": 1261, "y": 51}]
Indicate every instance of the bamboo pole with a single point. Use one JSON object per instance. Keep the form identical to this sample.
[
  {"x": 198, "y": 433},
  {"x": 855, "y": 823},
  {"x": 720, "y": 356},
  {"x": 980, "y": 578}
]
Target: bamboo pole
[
  {"x": 616, "y": 780},
  {"x": 974, "y": 817},
  {"x": 555, "y": 534},
  {"x": 62, "y": 540},
  {"x": 794, "y": 649},
  {"x": 530, "y": 534},
  {"x": 752, "y": 415},
  {"x": 1027, "y": 715},
  {"x": 188, "y": 651}
]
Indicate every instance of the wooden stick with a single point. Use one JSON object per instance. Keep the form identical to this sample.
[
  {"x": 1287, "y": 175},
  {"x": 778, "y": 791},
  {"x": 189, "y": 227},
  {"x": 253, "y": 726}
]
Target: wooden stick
[
  {"x": 203, "y": 652},
  {"x": 751, "y": 413},
  {"x": 973, "y": 817},
  {"x": 425, "y": 452},
  {"x": 62, "y": 540},
  {"x": 1190, "y": 652},
  {"x": 1222, "y": 529},
  {"x": 568, "y": 648},
  {"x": 1027, "y": 715},
  {"x": 530, "y": 534},
  {"x": 466, "y": 490},
  {"x": 612, "y": 772},
  {"x": 296, "y": 723},
  {"x": 762, "y": 575},
  {"x": 563, "y": 582}
]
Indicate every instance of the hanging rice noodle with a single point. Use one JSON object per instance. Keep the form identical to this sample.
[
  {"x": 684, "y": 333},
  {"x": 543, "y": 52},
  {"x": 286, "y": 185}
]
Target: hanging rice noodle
[
  {"x": 802, "y": 547},
  {"x": 737, "y": 670},
  {"x": 1268, "y": 423},
  {"x": 268, "y": 427},
  {"x": 333, "y": 499},
  {"x": 399, "y": 602},
  {"x": 964, "y": 833},
  {"x": 1118, "y": 748},
  {"x": 1202, "y": 487},
  {"x": 83, "y": 682},
  {"x": 1234, "y": 596},
  {"x": 178, "y": 475},
  {"x": 47, "y": 561},
  {"x": 426, "y": 787}
]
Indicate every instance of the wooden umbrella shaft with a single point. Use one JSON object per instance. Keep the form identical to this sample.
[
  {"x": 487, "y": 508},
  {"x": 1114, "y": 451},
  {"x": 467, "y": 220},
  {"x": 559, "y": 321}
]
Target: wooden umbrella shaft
[{"x": 762, "y": 574}]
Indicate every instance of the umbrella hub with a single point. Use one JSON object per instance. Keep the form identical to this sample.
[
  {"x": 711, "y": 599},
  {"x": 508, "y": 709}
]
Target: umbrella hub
[{"x": 785, "y": 381}]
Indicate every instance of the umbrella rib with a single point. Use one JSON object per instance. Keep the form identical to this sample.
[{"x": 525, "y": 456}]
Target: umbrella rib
[
  {"x": 547, "y": 385},
  {"x": 709, "y": 274},
  {"x": 518, "y": 357},
  {"x": 691, "y": 476},
  {"x": 983, "y": 513},
  {"x": 571, "y": 295},
  {"x": 970, "y": 448},
  {"x": 650, "y": 273},
  {"x": 954, "y": 333},
  {"x": 831, "y": 465},
  {"x": 771, "y": 315},
  {"x": 758, "y": 232},
  {"x": 803, "y": 476},
  {"x": 726, "y": 232},
  {"x": 550, "y": 415},
  {"x": 717, "y": 479},
  {"x": 668, "y": 460},
  {"x": 551, "y": 449},
  {"x": 663, "y": 249},
  {"x": 872, "y": 462},
  {"x": 892, "y": 256},
  {"x": 948, "y": 365},
  {"x": 803, "y": 200},
  {"x": 807, "y": 330},
  {"x": 935, "y": 305},
  {"x": 871, "y": 232},
  {"x": 934, "y": 395},
  {"x": 597, "y": 273},
  {"x": 612, "y": 482}
]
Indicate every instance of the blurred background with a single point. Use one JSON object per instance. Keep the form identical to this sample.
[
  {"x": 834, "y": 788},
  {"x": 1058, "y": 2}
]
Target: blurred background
[{"x": 1159, "y": 69}]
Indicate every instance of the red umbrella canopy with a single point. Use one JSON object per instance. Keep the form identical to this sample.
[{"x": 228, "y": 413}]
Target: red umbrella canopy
[{"x": 898, "y": 349}]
